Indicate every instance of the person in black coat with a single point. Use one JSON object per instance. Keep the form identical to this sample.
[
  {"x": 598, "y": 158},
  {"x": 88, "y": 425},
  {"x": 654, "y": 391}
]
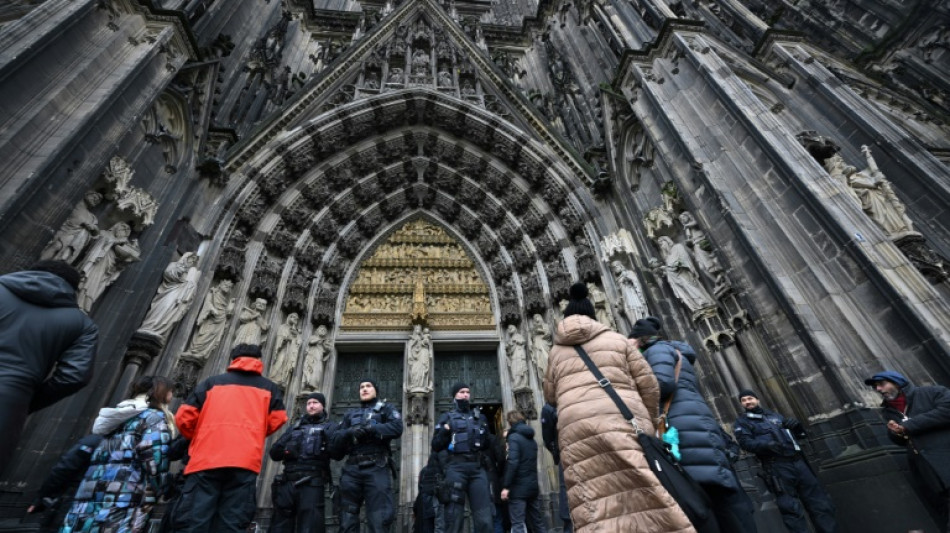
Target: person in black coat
[
  {"x": 520, "y": 485},
  {"x": 48, "y": 345},
  {"x": 549, "y": 437},
  {"x": 704, "y": 452},
  {"x": 919, "y": 418}
]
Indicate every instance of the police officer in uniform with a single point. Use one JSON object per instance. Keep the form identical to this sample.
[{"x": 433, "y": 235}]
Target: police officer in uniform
[
  {"x": 463, "y": 431},
  {"x": 771, "y": 437},
  {"x": 297, "y": 494},
  {"x": 364, "y": 436}
]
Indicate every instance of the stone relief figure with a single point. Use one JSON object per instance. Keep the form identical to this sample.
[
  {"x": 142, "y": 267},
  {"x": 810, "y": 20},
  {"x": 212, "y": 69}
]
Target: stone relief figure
[
  {"x": 253, "y": 325},
  {"x": 212, "y": 321},
  {"x": 541, "y": 341},
  {"x": 445, "y": 78},
  {"x": 705, "y": 259},
  {"x": 285, "y": 353},
  {"x": 74, "y": 235},
  {"x": 878, "y": 199},
  {"x": 634, "y": 303},
  {"x": 517, "y": 359},
  {"x": 173, "y": 298},
  {"x": 420, "y": 63},
  {"x": 681, "y": 275},
  {"x": 395, "y": 75},
  {"x": 601, "y": 307},
  {"x": 420, "y": 356},
  {"x": 110, "y": 253},
  {"x": 318, "y": 353}
]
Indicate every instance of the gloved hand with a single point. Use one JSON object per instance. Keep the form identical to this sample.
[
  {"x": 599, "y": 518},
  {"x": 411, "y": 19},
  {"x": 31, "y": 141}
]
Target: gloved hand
[
  {"x": 776, "y": 448},
  {"x": 359, "y": 434},
  {"x": 794, "y": 426}
]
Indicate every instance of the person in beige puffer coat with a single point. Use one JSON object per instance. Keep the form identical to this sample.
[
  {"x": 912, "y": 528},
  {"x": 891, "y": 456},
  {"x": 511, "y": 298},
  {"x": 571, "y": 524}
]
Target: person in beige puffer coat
[{"x": 610, "y": 487}]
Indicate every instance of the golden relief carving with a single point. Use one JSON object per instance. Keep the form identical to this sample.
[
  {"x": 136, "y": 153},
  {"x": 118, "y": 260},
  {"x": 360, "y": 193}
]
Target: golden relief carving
[{"x": 419, "y": 275}]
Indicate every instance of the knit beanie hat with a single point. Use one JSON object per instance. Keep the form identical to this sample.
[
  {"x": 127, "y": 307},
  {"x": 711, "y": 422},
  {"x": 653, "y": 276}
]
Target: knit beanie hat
[
  {"x": 579, "y": 304},
  {"x": 318, "y": 396},
  {"x": 246, "y": 350},
  {"x": 645, "y": 327},
  {"x": 61, "y": 269},
  {"x": 747, "y": 392},
  {"x": 373, "y": 383},
  {"x": 457, "y": 387}
]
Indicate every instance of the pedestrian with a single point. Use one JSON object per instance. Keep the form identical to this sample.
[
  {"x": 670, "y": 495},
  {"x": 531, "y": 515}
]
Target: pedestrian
[
  {"x": 772, "y": 438},
  {"x": 64, "y": 478},
  {"x": 127, "y": 469},
  {"x": 549, "y": 438},
  {"x": 298, "y": 493},
  {"x": 364, "y": 436},
  {"x": 520, "y": 486},
  {"x": 227, "y": 417},
  {"x": 463, "y": 431},
  {"x": 48, "y": 347},
  {"x": 602, "y": 458},
  {"x": 703, "y": 450},
  {"x": 426, "y": 504},
  {"x": 495, "y": 458},
  {"x": 919, "y": 418}
]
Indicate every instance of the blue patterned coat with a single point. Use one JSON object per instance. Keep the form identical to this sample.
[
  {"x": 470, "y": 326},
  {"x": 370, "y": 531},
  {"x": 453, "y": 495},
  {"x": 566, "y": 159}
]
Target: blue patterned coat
[
  {"x": 120, "y": 486},
  {"x": 702, "y": 446}
]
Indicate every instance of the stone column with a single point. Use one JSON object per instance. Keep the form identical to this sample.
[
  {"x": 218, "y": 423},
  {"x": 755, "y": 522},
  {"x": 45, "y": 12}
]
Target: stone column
[{"x": 142, "y": 348}]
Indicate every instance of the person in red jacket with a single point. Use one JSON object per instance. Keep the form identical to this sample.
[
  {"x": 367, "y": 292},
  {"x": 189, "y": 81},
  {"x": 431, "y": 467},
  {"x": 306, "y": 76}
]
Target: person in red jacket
[{"x": 227, "y": 418}]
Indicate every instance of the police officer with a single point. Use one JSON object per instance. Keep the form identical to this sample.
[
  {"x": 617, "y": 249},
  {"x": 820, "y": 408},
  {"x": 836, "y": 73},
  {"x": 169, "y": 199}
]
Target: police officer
[
  {"x": 463, "y": 431},
  {"x": 364, "y": 436},
  {"x": 771, "y": 437},
  {"x": 297, "y": 494}
]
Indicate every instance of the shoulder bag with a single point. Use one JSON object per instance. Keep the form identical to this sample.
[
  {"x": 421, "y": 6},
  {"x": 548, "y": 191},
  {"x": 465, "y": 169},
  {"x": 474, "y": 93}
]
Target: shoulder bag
[{"x": 683, "y": 488}]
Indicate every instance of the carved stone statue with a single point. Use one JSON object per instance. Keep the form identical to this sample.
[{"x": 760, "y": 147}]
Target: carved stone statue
[
  {"x": 212, "y": 321},
  {"x": 634, "y": 303},
  {"x": 285, "y": 353},
  {"x": 75, "y": 233},
  {"x": 420, "y": 357},
  {"x": 878, "y": 199},
  {"x": 445, "y": 78},
  {"x": 253, "y": 325},
  {"x": 601, "y": 307},
  {"x": 420, "y": 63},
  {"x": 318, "y": 353},
  {"x": 681, "y": 275},
  {"x": 702, "y": 252},
  {"x": 517, "y": 359},
  {"x": 541, "y": 340},
  {"x": 173, "y": 298},
  {"x": 110, "y": 253}
]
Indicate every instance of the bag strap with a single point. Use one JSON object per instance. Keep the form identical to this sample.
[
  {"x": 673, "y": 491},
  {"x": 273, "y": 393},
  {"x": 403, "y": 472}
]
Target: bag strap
[{"x": 608, "y": 388}]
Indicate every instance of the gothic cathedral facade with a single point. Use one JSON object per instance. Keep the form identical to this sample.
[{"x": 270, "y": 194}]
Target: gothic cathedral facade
[{"x": 408, "y": 188}]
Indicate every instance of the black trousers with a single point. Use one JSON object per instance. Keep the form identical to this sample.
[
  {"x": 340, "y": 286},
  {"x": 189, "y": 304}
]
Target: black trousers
[
  {"x": 220, "y": 500},
  {"x": 16, "y": 407},
  {"x": 468, "y": 478},
  {"x": 372, "y": 484},
  {"x": 801, "y": 491},
  {"x": 733, "y": 509},
  {"x": 298, "y": 508},
  {"x": 526, "y": 513}
]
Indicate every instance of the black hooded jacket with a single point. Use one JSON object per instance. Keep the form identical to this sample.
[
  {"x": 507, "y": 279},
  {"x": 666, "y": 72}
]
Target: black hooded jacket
[
  {"x": 521, "y": 471},
  {"x": 47, "y": 344}
]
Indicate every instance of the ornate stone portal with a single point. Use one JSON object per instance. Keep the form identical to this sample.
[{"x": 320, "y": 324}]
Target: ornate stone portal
[{"x": 419, "y": 273}]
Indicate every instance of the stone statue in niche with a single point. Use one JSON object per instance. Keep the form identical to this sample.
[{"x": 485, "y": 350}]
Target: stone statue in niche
[
  {"x": 212, "y": 321},
  {"x": 541, "y": 340},
  {"x": 371, "y": 81},
  {"x": 81, "y": 225},
  {"x": 467, "y": 88},
  {"x": 110, "y": 253},
  {"x": 601, "y": 307},
  {"x": 878, "y": 199},
  {"x": 445, "y": 78},
  {"x": 173, "y": 298},
  {"x": 702, "y": 252},
  {"x": 634, "y": 303},
  {"x": 681, "y": 275},
  {"x": 420, "y": 357},
  {"x": 252, "y": 324},
  {"x": 318, "y": 353},
  {"x": 420, "y": 63},
  {"x": 517, "y": 359},
  {"x": 395, "y": 75},
  {"x": 285, "y": 353}
]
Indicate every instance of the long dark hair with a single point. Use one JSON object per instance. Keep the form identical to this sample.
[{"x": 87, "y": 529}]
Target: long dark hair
[{"x": 155, "y": 387}]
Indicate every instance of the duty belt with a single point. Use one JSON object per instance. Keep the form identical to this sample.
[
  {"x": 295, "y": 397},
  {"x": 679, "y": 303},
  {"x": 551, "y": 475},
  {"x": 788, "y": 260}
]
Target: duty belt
[
  {"x": 361, "y": 458},
  {"x": 470, "y": 456}
]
